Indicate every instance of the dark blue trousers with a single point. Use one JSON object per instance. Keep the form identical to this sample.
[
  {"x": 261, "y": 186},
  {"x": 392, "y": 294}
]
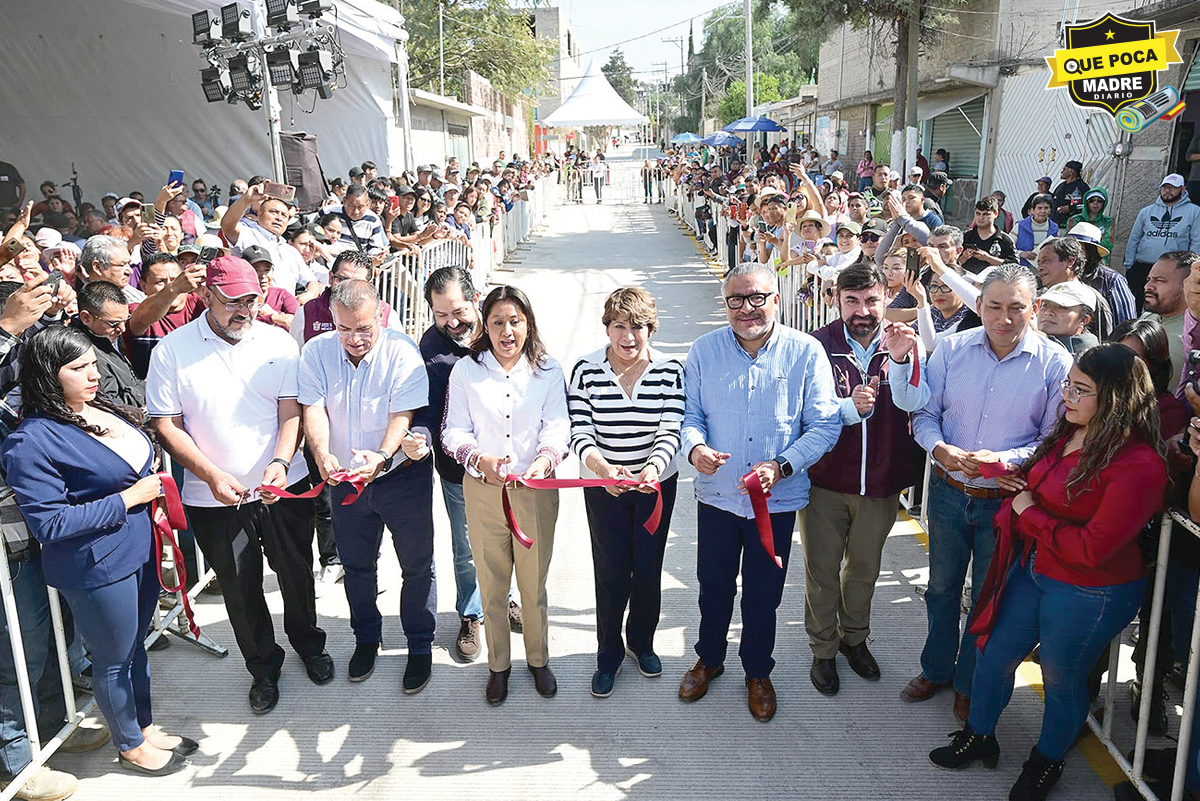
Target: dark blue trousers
[
  {"x": 402, "y": 500},
  {"x": 628, "y": 565},
  {"x": 113, "y": 619},
  {"x": 725, "y": 543}
]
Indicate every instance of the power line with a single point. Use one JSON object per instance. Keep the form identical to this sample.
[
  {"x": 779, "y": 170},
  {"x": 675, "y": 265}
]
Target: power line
[{"x": 651, "y": 33}]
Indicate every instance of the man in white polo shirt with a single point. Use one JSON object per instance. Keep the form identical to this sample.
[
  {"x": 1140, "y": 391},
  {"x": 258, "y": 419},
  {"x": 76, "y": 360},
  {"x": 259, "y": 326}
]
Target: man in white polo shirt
[
  {"x": 360, "y": 386},
  {"x": 222, "y": 394},
  {"x": 266, "y": 231}
]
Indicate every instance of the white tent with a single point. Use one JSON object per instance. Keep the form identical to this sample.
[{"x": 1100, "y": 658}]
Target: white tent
[
  {"x": 594, "y": 102},
  {"x": 114, "y": 86}
]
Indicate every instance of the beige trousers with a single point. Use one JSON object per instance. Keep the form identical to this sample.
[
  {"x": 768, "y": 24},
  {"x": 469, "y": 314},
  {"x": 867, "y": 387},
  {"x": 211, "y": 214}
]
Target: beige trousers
[
  {"x": 496, "y": 553},
  {"x": 843, "y": 538}
]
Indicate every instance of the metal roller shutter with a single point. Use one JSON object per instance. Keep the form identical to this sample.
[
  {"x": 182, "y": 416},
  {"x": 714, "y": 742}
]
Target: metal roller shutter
[
  {"x": 958, "y": 131},
  {"x": 883, "y": 134}
]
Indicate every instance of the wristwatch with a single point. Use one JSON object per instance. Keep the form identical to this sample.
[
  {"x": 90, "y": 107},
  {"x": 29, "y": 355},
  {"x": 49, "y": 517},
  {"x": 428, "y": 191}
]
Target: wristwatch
[
  {"x": 785, "y": 466},
  {"x": 387, "y": 460}
]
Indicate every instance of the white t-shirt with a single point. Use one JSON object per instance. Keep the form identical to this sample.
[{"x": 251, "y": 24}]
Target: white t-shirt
[
  {"x": 228, "y": 396},
  {"x": 289, "y": 268}
]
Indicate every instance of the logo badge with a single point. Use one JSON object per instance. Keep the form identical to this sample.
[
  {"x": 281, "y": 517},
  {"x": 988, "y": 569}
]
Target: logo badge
[{"x": 1113, "y": 63}]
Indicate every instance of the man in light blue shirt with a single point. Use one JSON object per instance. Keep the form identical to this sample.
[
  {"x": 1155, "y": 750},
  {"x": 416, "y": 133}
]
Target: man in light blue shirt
[
  {"x": 760, "y": 399},
  {"x": 360, "y": 386},
  {"x": 997, "y": 391}
]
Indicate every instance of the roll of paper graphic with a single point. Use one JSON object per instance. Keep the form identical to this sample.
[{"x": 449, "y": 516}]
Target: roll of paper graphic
[{"x": 1136, "y": 117}]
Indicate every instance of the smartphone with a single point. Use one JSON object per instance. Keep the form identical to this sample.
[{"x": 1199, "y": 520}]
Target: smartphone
[
  {"x": 53, "y": 280},
  {"x": 819, "y": 180},
  {"x": 281, "y": 191},
  {"x": 207, "y": 254},
  {"x": 147, "y": 214},
  {"x": 175, "y": 178},
  {"x": 394, "y": 202},
  {"x": 762, "y": 225},
  {"x": 791, "y": 214},
  {"x": 13, "y": 247},
  {"x": 912, "y": 263}
]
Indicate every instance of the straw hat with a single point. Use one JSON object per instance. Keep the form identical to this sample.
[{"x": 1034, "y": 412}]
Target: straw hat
[{"x": 813, "y": 215}]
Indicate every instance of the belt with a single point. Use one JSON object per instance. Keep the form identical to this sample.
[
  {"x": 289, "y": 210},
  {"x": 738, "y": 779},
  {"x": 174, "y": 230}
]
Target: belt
[{"x": 983, "y": 493}]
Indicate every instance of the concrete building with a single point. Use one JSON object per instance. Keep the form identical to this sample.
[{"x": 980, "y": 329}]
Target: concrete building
[{"x": 565, "y": 72}]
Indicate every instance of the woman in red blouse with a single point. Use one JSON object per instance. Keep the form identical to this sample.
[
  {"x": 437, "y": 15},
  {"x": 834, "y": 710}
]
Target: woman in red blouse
[{"x": 1067, "y": 570}]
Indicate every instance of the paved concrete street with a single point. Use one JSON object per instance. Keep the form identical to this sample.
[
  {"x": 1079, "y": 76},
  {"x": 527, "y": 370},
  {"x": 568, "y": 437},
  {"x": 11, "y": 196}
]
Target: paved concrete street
[{"x": 368, "y": 741}]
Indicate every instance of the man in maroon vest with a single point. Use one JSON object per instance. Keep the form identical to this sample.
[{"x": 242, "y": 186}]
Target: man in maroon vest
[
  {"x": 856, "y": 486},
  {"x": 315, "y": 316}
]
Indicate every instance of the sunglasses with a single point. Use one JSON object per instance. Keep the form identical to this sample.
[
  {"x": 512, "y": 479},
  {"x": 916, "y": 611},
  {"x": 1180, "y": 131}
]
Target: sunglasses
[{"x": 870, "y": 237}]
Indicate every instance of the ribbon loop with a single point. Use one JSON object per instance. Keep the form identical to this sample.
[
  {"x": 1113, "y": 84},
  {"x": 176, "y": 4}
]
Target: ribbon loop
[
  {"x": 762, "y": 517},
  {"x": 651, "y": 524},
  {"x": 343, "y": 476},
  {"x": 166, "y": 517}
]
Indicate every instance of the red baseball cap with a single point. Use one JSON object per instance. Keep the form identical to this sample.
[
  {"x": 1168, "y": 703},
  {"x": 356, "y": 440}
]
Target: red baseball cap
[{"x": 233, "y": 276}]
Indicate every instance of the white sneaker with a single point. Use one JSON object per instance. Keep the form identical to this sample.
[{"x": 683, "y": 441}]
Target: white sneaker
[
  {"x": 48, "y": 785},
  {"x": 332, "y": 574}
]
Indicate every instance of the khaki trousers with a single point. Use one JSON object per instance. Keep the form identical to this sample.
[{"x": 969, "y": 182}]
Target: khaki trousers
[
  {"x": 843, "y": 540},
  {"x": 496, "y": 553}
]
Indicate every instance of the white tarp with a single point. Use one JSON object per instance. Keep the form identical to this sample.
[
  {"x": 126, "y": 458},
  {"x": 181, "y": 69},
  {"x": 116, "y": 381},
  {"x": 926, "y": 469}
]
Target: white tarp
[
  {"x": 594, "y": 102},
  {"x": 114, "y": 86}
]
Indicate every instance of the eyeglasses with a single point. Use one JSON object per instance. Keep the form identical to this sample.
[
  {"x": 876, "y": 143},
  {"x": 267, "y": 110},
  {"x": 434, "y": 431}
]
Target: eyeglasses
[
  {"x": 250, "y": 305},
  {"x": 757, "y": 300},
  {"x": 939, "y": 289},
  {"x": 115, "y": 325},
  {"x": 870, "y": 237},
  {"x": 1072, "y": 392},
  {"x": 362, "y": 336}
]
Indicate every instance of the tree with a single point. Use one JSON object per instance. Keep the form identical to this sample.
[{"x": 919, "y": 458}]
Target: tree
[
  {"x": 620, "y": 76},
  {"x": 733, "y": 104},
  {"x": 485, "y": 36}
]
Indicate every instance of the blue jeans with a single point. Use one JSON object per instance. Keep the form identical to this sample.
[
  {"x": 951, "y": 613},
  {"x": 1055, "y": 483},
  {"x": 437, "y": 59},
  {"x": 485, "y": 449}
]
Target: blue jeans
[
  {"x": 725, "y": 542},
  {"x": 467, "y": 585},
  {"x": 864, "y": 182},
  {"x": 403, "y": 501},
  {"x": 41, "y": 661},
  {"x": 114, "y": 620},
  {"x": 1182, "y": 582},
  {"x": 1073, "y": 624},
  {"x": 959, "y": 527}
]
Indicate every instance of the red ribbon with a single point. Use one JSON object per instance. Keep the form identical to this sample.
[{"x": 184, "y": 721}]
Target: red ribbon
[
  {"x": 651, "y": 524},
  {"x": 344, "y": 476},
  {"x": 995, "y": 469},
  {"x": 167, "y": 517},
  {"x": 762, "y": 517},
  {"x": 915, "y": 380}
]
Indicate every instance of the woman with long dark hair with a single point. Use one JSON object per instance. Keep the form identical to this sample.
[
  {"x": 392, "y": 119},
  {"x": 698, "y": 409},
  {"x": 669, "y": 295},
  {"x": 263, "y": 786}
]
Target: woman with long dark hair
[
  {"x": 506, "y": 415},
  {"x": 1067, "y": 570},
  {"x": 81, "y": 469}
]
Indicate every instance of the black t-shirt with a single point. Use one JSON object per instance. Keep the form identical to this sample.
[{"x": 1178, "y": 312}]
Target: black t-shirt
[
  {"x": 10, "y": 179},
  {"x": 1068, "y": 193},
  {"x": 404, "y": 225},
  {"x": 998, "y": 244}
]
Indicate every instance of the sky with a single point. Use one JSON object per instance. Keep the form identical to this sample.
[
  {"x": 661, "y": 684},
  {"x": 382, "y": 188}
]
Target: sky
[{"x": 601, "y": 23}]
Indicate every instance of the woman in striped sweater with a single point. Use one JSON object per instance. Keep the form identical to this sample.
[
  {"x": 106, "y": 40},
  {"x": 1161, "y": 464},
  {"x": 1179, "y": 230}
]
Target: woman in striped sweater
[{"x": 626, "y": 407}]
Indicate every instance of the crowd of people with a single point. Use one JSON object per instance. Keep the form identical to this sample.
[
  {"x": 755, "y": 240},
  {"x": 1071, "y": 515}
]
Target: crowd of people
[
  {"x": 175, "y": 326},
  {"x": 1080, "y": 368},
  {"x": 1056, "y": 420}
]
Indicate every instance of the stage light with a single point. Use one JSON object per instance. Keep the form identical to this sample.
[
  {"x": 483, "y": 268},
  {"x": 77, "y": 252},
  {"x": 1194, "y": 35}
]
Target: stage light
[
  {"x": 282, "y": 14},
  {"x": 282, "y": 67},
  {"x": 316, "y": 71},
  {"x": 235, "y": 23},
  {"x": 215, "y": 82},
  {"x": 206, "y": 27},
  {"x": 244, "y": 73},
  {"x": 313, "y": 8}
]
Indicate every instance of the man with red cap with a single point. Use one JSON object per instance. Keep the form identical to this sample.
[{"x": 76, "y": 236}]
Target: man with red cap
[{"x": 222, "y": 394}]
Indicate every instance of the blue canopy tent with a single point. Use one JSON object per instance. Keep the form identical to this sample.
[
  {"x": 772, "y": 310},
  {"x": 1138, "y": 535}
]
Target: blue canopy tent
[
  {"x": 685, "y": 139},
  {"x": 754, "y": 124}
]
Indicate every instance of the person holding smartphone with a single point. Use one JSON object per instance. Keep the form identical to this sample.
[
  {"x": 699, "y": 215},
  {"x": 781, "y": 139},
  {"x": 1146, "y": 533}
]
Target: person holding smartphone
[{"x": 985, "y": 245}]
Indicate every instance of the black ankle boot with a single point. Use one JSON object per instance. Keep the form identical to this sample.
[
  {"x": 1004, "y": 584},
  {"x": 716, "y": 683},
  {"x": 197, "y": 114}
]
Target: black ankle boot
[
  {"x": 1038, "y": 777},
  {"x": 967, "y": 747}
]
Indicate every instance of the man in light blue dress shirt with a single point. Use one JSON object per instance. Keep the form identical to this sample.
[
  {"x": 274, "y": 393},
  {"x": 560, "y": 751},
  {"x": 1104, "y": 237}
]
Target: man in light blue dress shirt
[
  {"x": 760, "y": 398},
  {"x": 360, "y": 386},
  {"x": 997, "y": 391}
]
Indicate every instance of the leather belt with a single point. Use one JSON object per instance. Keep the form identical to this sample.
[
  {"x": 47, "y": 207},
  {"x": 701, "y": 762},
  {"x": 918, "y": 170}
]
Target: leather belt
[{"x": 983, "y": 493}]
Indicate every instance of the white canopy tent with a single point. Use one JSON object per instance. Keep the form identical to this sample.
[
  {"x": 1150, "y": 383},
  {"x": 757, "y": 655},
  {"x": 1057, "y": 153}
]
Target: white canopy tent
[
  {"x": 594, "y": 102},
  {"x": 114, "y": 87}
]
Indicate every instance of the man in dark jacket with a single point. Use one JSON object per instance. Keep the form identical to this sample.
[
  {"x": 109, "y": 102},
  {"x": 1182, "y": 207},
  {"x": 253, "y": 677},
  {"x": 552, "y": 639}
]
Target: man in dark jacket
[
  {"x": 103, "y": 313},
  {"x": 856, "y": 486},
  {"x": 1068, "y": 196}
]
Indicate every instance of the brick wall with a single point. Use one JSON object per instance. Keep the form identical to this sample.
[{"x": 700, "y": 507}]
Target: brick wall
[{"x": 503, "y": 128}]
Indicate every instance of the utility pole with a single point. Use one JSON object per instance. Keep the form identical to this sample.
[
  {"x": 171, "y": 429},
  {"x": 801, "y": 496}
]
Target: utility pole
[
  {"x": 910, "y": 108},
  {"x": 658, "y": 98},
  {"x": 703, "y": 95},
  {"x": 679, "y": 40},
  {"x": 441, "y": 53},
  {"x": 749, "y": 60}
]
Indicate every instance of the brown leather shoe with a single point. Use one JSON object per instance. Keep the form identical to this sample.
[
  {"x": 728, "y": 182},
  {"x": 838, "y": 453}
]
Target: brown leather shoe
[
  {"x": 543, "y": 679},
  {"x": 921, "y": 689},
  {"x": 962, "y": 707},
  {"x": 497, "y": 686},
  {"x": 695, "y": 681},
  {"x": 762, "y": 699}
]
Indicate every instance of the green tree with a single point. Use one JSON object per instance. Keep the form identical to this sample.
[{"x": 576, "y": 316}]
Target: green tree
[
  {"x": 485, "y": 36},
  {"x": 620, "y": 76},
  {"x": 733, "y": 104}
]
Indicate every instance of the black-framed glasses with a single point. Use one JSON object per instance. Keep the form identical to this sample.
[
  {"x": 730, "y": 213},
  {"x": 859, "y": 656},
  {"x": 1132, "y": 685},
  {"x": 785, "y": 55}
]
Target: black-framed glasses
[
  {"x": 757, "y": 300},
  {"x": 870, "y": 237},
  {"x": 115, "y": 325},
  {"x": 939, "y": 289}
]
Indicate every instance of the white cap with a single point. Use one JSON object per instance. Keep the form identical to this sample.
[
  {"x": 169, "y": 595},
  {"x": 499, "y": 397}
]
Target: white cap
[
  {"x": 1071, "y": 293},
  {"x": 1174, "y": 179}
]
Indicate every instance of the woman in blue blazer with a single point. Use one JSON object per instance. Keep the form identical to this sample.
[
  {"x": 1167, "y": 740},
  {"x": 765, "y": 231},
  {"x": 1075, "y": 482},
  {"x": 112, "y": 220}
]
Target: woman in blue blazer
[{"x": 81, "y": 471}]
